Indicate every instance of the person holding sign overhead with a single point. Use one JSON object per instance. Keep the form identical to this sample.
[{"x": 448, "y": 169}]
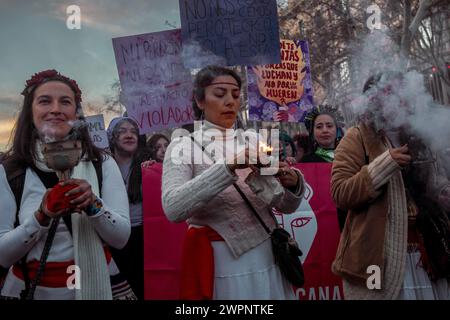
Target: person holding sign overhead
[{"x": 227, "y": 254}]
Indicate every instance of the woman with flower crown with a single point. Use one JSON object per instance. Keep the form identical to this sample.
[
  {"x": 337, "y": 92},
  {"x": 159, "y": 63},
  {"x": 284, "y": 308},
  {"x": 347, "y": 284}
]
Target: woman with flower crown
[{"x": 75, "y": 264}]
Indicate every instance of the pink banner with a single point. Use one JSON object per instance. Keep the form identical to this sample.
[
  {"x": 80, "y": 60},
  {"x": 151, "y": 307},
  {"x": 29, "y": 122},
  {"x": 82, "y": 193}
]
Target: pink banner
[
  {"x": 162, "y": 241},
  {"x": 314, "y": 225}
]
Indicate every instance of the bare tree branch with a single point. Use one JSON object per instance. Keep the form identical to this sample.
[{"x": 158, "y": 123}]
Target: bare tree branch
[{"x": 424, "y": 6}]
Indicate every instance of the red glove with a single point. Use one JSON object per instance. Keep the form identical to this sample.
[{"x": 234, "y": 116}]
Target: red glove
[{"x": 56, "y": 200}]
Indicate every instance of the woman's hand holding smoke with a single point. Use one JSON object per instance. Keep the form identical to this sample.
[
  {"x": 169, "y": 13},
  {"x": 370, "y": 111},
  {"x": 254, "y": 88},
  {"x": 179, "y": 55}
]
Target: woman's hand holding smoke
[{"x": 401, "y": 155}]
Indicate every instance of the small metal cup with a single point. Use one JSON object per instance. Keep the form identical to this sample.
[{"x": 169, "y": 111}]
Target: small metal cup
[{"x": 62, "y": 156}]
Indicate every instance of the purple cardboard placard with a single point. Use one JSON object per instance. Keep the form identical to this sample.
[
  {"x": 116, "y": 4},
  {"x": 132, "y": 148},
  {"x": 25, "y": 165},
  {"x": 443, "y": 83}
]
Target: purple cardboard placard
[
  {"x": 156, "y": 87},
  {"x": 282, "y": 92},
  {"x": 229, "y": 32}
]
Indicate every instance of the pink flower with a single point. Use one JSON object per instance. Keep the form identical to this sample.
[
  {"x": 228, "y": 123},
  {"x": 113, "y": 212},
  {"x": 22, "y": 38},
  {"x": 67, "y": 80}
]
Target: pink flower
[{"x": 39, "y": 78}]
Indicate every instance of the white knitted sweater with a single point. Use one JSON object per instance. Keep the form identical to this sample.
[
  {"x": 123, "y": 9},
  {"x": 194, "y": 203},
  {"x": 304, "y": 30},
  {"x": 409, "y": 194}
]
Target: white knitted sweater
[{"x": 203, "y": 194}]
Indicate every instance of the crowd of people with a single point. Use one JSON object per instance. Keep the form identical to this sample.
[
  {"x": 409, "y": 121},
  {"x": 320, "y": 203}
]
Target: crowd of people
[{"x": 392, "y": 212}]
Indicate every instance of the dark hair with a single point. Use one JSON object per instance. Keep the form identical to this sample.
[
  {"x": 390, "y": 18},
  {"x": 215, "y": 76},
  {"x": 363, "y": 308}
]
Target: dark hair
[
  {"x": 286, "y": 138},
  {"x": 374, "y": 88},
  {"x": 372, "y": 81},
  {"x": 310, "y": 122},
  {"x": 22, "y": 153},
  {"x": 134, "y": 189},
  {"x": 303, "y": 142},
  {"x": 382, "y": 80},
  {"x": 151, "y": 144},
  {"x": 115, "y": 134},
  {"x": 203, "y": 79}
]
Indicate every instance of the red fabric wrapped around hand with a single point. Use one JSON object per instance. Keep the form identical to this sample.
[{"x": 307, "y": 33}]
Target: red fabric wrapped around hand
[{"x": 56, "y": 199}]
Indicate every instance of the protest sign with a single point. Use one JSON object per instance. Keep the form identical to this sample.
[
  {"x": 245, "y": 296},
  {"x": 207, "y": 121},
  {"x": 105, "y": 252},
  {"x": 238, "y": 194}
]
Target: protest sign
[
  {"x": 282, "y": 92},
  {"x": 314, "y": 225},
  {"x": 96, "y": 125},
  {"x": 229, "y": 32},
  {"x": 156, "y": 88}
]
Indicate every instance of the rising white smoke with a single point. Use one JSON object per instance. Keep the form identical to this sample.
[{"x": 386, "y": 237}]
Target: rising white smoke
[
  {"x": 48, "y": 134},
  {"x": 428, "y": 120},
  {"x": 409, "y": 104},
  {"x": 195, "y": 56}
]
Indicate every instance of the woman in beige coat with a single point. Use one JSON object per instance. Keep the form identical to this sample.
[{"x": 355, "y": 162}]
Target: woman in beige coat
[{"x": 378, "y": 255}]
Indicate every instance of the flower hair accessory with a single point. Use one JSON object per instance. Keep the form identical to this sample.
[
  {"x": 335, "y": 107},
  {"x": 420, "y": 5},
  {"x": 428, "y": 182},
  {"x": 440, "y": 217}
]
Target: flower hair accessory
[{"x": 47, "y": 75}]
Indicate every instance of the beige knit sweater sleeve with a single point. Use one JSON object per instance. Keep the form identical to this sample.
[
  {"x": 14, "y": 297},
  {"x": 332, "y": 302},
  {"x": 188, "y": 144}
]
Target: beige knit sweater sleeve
[
  {"x": 381, "y": 169},
  {"x": 182, "y": 193}
]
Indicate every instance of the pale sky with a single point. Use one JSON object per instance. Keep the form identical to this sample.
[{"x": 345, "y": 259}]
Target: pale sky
[{"x": 34, "y": 37}]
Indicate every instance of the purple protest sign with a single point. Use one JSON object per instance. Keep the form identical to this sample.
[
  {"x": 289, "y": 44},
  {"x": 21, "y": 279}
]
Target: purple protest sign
[
  {"x": 156, "y": 87},
  {"x": 282, "y": 92},
  {"x": 229, "y": 32}
]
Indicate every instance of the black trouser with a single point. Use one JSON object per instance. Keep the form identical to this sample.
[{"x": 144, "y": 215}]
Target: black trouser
[{"x": 130, "y": 261}]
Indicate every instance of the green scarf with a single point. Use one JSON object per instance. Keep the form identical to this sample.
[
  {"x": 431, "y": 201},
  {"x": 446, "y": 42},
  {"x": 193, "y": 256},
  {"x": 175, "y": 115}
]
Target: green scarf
[{"x": 326, "y": 154}]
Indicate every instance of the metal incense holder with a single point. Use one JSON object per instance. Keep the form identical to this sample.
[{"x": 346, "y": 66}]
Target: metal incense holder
[{"x": 62, "y": 156}]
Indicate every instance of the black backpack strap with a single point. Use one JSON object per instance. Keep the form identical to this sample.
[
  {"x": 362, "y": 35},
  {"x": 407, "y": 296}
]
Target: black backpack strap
[
  {"x": 16, "y": 180},
  {"x": 15, "y": 176}
]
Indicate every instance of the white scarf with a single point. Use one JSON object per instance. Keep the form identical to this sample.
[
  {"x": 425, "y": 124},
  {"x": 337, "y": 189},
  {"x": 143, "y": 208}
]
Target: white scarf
[{"x": 88, "y": 248}]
